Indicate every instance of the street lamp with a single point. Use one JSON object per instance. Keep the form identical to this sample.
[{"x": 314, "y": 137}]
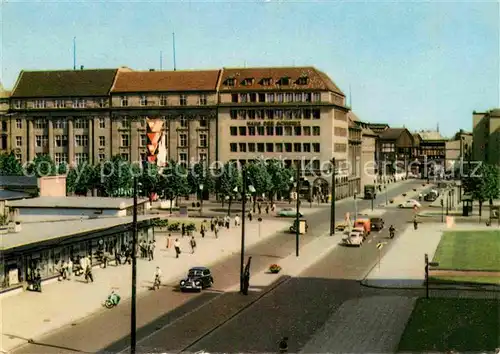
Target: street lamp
[
  {"x": 355, "y": 205},
  {"x": 332, "y": 207},
  {"x": 133, "y": 309},
  {"x": 243, "y": 217},
  {"x": 296, "y": 184},
  {"x": 201, "y": 199}
]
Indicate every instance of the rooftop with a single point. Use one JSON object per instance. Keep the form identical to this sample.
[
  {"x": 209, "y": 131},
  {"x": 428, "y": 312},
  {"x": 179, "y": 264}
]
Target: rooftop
[
  {"x": 158, "y": 81},
  {"x": 391, "y": 133},
  {"x": 43, "y": 231},
  {"x": 11, "y": 195},
  {"x": 430, "y": 135},
  {"x": 18, "y": 181},
  {"x": 75, "y": 202},
  {"x": 64, "y": 83}
]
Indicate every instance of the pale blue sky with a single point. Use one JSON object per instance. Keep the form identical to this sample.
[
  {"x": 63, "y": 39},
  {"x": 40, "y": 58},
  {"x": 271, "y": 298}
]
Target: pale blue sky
[{"x": 412, "y": 64}]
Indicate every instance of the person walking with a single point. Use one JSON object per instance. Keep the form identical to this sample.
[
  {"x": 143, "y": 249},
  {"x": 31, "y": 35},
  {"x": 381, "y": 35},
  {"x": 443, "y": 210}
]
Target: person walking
[
  {"x": 237, "y": 220},
  {"x": 415, "y": 223},
  {"x": 151, "y": 250},
  {"x": 70, "y": 269},
  {"x": 192, "y": 242},
  {"x": 183, "y": 230},
  {"x": 177, "y": 246},
  {"x": 118, "y": 255},
  {"x": 202, "y": 231},
  {"x": 227, "y": 221},
  {"x": 216, "y": 231},
  {"x": 88, "y": 274},
  {"x": 212, "y": 224}
]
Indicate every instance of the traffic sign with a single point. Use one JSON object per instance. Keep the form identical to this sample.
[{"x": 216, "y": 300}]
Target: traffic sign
[{"x": 380, "y": 245}]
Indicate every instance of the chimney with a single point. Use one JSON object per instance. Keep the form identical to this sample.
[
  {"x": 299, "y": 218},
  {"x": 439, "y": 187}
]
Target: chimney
[{"x": 81, "y": 67}]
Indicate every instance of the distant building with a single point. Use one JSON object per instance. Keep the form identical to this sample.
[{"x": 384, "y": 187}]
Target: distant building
[
  {"x": 4, "y": 121},
  {"x": 486, "y": 136},
  {"x": 431, "y": 152},
  {"x": 458, "y": 149}
]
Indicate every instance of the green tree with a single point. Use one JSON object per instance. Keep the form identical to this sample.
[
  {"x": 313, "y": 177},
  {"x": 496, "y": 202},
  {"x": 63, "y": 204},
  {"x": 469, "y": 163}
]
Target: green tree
[
  {"x": 173, "y": 182},
  {"x": 41, "y": 166},
  {"x": 483, "y": 184},
  {"x": 10, "y": 166},
  {"x": 280, "y": 178},
  {"x": 150, "y": 179},
  {"x": 81, "y": 179},
  {"x": 259, "y": 178},
  {"x": 199, "y": 174},
  {"x": 229, "y": 184},
  {"x": 116, "y": 177}
]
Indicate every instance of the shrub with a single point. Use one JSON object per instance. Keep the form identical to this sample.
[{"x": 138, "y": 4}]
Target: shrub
[
  {"x": 161, "y": 223},
  {"x": 274, "y": 268},
  {"x": 175, "y": 226},
  {"x": 191, "y": 227}
]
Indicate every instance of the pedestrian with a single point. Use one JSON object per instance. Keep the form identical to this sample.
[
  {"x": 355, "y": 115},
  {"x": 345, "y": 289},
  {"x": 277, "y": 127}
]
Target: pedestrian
[
  {"x": 227, "y": 221},
  {"x": 259, "y": 206},
  {"x": 212, "y": 224},
  {"x": 88, "y": 274},
  {"x": 64, "y": 270},
  {"x": 192, "y": 242},
  {"x": 216, "y": 231},
  {"x": 183, "y": 230},
  {"x": 128, "y": 255},
  {"x": 70, "y": 269},
  {"x": 237, "y": 220},
  {"x": 38, "y": 281},
  {"x": 249, "y": 216},
  {"x": 273, "y": 207},
  {"x": 118, "y": 255},
  {"x": 415, "y": 223},
  {"x": 202, "y": 231},
  {"x": 142, "y": 248},
  {"x": 148, "y": 250},
  {"x": 152, "y": 250},
  {"x": 177, "y": 246},
  {"x": 267, "y": 208}
]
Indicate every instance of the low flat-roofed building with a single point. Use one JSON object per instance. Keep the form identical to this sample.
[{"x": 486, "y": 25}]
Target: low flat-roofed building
[
  {"x": 68, "y": 208},
  {"x": 45, "y": 245}
]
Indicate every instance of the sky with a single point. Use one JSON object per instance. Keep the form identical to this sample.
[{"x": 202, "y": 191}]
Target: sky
[{"x": 412, "y": 64}]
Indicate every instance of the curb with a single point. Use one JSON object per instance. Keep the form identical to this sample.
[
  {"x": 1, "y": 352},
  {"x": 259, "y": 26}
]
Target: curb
[{"x": 444, "y": 288}]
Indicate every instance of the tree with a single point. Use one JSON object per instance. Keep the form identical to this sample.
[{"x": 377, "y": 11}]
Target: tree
[
  {"x": 42, "y": 166},
  {"x": 173, "y": 182},
  {"x": 483, "y": 185},
  {"x": 281, "y": 178},
  {"x": 230, "y": 183},
  {"x": 10, "y": 166},
  {"x": 116, "y": 179},
  {"x": 199, "y": 174},
  {"x": 81, "y": 179},
  {"x": 150, "y": 179},
  {"x": 259, "y": 178}
]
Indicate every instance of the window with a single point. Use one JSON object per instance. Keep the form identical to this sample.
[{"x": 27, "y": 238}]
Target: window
[
  {"x": 124, "y": 156},
  {"x": 125, "y": 140},
  {"x": 19, "y": 124},
  {"x": 279, "y": 97},
  {"x": 266, "y": 82},
  {"x": 39, "y": 104},
  {"x": 242, "y": 131},
  {"x": 143, "y": 140},
  {"x": 102, "y": 103},
  {"x": 230, "y": 82},
  {"x": 102, "y": 123},
  {"x": 59, "y": 103},
  {"x": 340, "y": 147},
  {"x": 298, "y": 97},
  {"x": 262, "y": 97},
  {"x": 183, "y": 142},
  {"x": 270, "y": 114},
  {"x": 251, "y": 147},
  {"x": 307, "y": 114},
  {"x": 279, "y": 131},
  {"x": 125, "y": 123},
  {"x": 4, "y": 125},
  {"x": 59, "y": 124},
  {"x": 278, "y": 114},
  {"x": 316, "y": 97},
  {"x": 289, "y": 97},
  {"x": 102, "y": 157},
  {"x": 242, "y": 114},
  {"x": 183, "y": 100},
  {"x": 259, "y": 114},
  {"x": 316, "y": 131},
  {"x": 306, "y": 147},
  {"x": 253, "y": 97},
  {"x": 41, "y": 140},
  {"x": 278, "y": 147},
  {"x": 17, "y": 104},
  {"x": 285, "y": 81},
  {"x": 203, "y": 99},
  {"x": 316, "y": 113},
  {"x": 251, "y": 131},
  {"x": 288, "y": 130},
  {"x": 297, "y": 114},
  {"x": 302, "y": 80},
  {"x": 270, "y": 97},
  {"x": 19, "y": 141},
  {"x": 233, "y": 113},
  {"x": 183, "y": 158},
  {"x": 288, "y": 147},
  {"x": 163, "y": 100},
  {"x": 297, "y": 147},
  {"x": 102, "y": 141},
  {"x": 251, "y": 114},
  {"x": 124, "y": 101},
  {"x": 81, "y": 124},
  {"x": 306, "y": 131},
  {"x": 234, "y": 98},
  {"x": 82, "y": 140},
  {"x": 297, "y": 131},
  {"x": 234, "y": 130},
  {"x": 203, "y": 156},
  {"x": 61, "y": 140},
  {"x": 60, "y": 157},
  {"x": 79, "y": 103},
  {"x": 308, "y": 97},
  {"x": 183, "y": 122},
  {"x": 260, "y": 147},
  {"x": 244, "y": 98},
  {"x": 260, "y": 130},
  {"x": 315, "y": 147},
  {"x": 143, "y": 101},
  {"x": 270, "y": 131},
  {"x": 269, "y": 147},
  {"x": 243, "y": 147},
  {"x": 316, "y": 164},
  {"x": 288, "y": 114},
  {"x": 40, "y": 124},
  {"x": 247, "y": 82},
  {"x": 233, "y": 147},
  {"x": 203, "y": 140}
]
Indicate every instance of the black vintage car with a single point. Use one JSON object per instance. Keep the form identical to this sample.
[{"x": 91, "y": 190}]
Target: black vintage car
[
  {"x": 377, "y": 224},
  {"x": 198, "y": 278}
]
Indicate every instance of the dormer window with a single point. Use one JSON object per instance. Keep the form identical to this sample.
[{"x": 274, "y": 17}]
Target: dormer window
[
  {"x": 302, "y": 80},
  {"x": 284, "y": 81},
  {"x": 266, "y": 81},
  {"x": 144, "y": 100},
  {"x": 230, "y": 82},
  {"x": 247, "y": 82}
]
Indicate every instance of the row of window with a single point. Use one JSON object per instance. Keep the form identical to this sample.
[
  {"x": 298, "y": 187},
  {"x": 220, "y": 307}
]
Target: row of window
[
  {"x": 274, "y": 147},
  {"x": 275, "y": 113},
  {"x": 272, "y": 97},
  {"x": 267, "y": 81},
  {"x": 275, "y": 131},
  {"x": 75, "y": 103},
  {"x": 183, "y": 101}
]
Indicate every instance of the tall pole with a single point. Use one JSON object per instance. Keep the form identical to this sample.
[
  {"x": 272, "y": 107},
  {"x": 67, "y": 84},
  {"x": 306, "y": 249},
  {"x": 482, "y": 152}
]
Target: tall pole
[
  {"x": 133, "y": 319},
  {"x": 173, "y": 50},
  {"x": 297, "y": 220},
  {"x": 243, "y": 216},
  {"x": 426, "y": 276},
  {"x": 74, "y": 53},
  {"x": 332, "y": 208}
]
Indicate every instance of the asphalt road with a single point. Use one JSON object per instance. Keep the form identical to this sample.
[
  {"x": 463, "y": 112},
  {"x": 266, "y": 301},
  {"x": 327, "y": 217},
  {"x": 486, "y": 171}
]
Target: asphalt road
[{"x": 171, "y": 321}]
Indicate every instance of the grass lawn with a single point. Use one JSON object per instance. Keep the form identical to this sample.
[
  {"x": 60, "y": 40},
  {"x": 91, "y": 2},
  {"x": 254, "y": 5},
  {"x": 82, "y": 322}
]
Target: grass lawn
[
  {"x": 470, "y": 250},
  {"x": 445, "y": 324},
  {"x": 465, "y": 279}
]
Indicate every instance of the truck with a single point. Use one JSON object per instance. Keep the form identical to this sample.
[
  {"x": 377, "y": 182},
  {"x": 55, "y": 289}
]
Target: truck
[
  {"x": 370, "y": 191},
  {"x": 365, "y": 224}
]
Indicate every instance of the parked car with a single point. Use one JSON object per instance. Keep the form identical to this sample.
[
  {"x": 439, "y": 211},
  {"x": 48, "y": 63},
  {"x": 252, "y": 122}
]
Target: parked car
[
  {"x": 289, "y": 212},
  {"x": 411, "y": 203},
  {"x": 377, "y": 223},
  {"x": 198, "y": 278}
]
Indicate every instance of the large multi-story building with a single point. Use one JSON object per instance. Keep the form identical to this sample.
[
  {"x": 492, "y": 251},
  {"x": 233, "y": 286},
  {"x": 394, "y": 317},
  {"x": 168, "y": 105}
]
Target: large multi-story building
[
  {"x": 458, "y": 150},
  {"x": 4, "y": 119},
  {"x": 368, "y": 168},
  {"x": 486, "y": 136}
]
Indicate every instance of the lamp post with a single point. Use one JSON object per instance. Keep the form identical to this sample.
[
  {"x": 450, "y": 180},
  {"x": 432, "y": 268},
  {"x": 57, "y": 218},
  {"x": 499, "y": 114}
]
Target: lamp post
[
  {"x": 442, "y": 209},
  {"x": 332, "y": 207},
  {"x": 243, "y": 217},
  {"x": 201, "y": 199},
  {"x": 297, "y": 213},
  {"x": 355, "y": 205},
  {"x": 133, "y": 308}
]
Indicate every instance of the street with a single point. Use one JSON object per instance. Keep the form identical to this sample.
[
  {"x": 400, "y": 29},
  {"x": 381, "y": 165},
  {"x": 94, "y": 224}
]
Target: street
[{"x": 172, "y": 321}]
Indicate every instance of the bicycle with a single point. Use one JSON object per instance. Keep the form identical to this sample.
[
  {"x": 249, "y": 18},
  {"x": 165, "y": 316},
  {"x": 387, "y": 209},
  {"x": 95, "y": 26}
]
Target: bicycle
[{"x": 156, "y": 283}]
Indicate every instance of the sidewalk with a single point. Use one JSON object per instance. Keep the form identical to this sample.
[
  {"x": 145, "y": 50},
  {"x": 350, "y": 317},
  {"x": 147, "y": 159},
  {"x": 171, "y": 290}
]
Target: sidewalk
[
  {"x": 29, "y": 315},
  {"x": 403, "y": 266}
]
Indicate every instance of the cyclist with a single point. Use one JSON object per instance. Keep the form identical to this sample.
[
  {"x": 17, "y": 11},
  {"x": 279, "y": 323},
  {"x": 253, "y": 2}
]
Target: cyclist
[
  {"x": 392, "y": 230},
  {"x": 157, "y": 281}
]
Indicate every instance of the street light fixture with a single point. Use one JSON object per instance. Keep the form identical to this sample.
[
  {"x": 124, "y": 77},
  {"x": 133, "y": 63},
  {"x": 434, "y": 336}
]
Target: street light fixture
[
  {"x": 201, "y": 199},
  {"x": 355, "y": 205},
  {"x": 133, "y": 308}
]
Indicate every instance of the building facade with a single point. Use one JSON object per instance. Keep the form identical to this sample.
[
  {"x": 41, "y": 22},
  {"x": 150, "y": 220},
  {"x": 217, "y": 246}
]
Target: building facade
[
  {"x": 458, "y": 149},
  {"x": 4, "y": 119},
  {"x": 486, "y": 136}
]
